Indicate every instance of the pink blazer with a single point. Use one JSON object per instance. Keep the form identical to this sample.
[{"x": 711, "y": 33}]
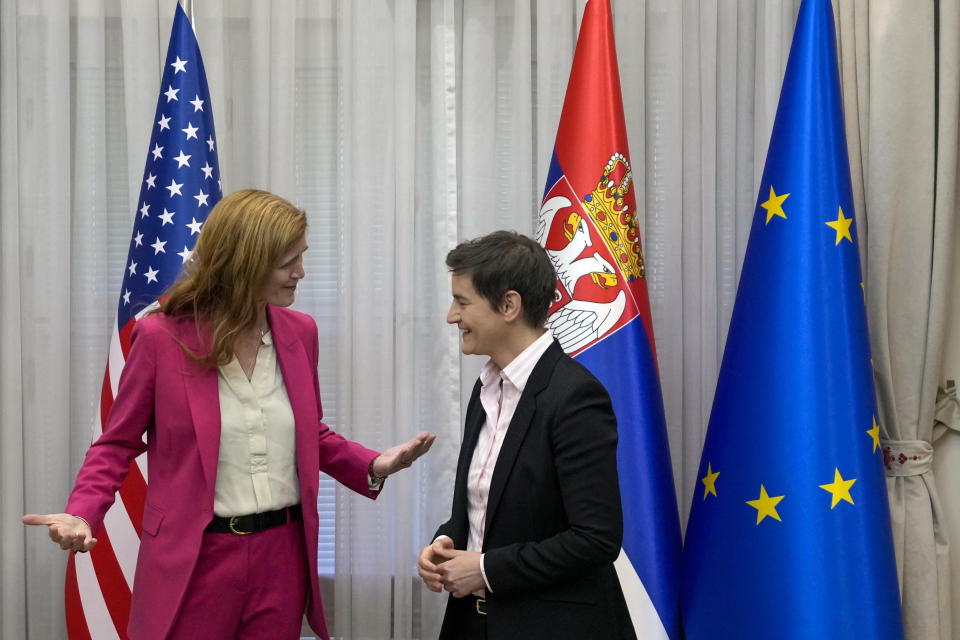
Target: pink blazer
[{"x": 166, "y": 395}]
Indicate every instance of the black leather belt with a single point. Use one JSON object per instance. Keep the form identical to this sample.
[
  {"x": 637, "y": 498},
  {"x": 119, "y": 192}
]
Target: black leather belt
[{"x": 255, "y": 522}]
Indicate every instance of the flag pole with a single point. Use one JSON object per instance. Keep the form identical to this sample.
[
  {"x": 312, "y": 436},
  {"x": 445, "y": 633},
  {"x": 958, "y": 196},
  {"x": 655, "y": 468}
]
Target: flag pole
[{"x": 188, "y": 9}]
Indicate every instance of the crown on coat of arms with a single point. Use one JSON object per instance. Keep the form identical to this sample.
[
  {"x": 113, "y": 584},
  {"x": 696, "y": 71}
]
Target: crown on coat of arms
[{"x": 610, "y": 213}]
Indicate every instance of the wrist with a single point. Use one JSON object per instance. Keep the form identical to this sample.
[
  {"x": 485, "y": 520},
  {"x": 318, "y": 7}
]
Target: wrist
[{"x": 374, "y": 476}]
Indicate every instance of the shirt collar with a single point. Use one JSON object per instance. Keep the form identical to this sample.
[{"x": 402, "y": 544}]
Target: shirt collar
[{"x": 518, "y": 371}]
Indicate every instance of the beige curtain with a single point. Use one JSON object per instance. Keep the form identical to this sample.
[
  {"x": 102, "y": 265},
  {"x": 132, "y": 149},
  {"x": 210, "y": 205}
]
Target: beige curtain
[
  {"x": 900, "y": 83},
  {"x": 946, "y": 433}
]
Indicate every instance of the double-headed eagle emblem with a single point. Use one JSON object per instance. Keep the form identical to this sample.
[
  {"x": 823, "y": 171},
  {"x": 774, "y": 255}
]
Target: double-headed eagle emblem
[{"x": 595, "y": 247}]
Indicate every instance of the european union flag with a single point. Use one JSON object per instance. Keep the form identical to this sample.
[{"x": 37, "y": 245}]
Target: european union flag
[{"x": 789, "y": 532}]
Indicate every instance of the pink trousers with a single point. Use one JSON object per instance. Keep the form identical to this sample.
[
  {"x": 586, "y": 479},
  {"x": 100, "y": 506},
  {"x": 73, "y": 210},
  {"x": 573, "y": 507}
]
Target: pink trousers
[{"x": 246, "y": 587}]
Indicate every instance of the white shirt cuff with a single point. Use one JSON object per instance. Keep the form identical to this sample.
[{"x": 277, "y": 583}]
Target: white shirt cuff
[{"x": 484, "y": 574}]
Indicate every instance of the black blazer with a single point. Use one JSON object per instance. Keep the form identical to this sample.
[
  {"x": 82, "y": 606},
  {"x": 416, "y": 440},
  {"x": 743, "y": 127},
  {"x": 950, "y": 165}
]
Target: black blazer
[{"x": 554, "y": 524}]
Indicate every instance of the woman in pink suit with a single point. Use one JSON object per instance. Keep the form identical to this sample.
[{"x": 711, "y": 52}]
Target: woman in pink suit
[{"x": 223, "y": 381}]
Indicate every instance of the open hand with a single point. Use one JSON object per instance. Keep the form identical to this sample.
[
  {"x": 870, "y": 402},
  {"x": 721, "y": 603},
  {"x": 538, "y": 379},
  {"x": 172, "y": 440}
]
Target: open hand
[
  {"x": 403, "y": 455},
  {"x": 70, "y": 532}
]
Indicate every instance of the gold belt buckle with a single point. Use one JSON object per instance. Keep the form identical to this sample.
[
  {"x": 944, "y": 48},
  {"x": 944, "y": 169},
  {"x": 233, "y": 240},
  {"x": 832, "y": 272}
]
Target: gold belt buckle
[
  {"x": 481, "y": 606},
  {"x": 235, "y": 530}
]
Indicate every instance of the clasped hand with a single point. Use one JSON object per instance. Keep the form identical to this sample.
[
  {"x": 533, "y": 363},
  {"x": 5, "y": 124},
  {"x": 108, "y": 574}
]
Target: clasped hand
[
  {"x": 443, "y": 567},
  {"x": 70, "y": 532}
]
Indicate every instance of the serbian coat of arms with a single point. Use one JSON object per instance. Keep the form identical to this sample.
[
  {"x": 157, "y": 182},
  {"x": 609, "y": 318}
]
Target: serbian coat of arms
[{"x": 594, "y": 244}]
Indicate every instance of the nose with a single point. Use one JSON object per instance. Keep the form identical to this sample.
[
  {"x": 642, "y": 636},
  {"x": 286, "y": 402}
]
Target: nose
[
  {"x": 452, "y": 316},
  {"x": 299, "y": 272}
]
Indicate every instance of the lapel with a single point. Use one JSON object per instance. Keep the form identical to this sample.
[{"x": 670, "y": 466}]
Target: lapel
[
  {"x": 298, "y": 380},
  {"x": 475, "y": 419},
  {"x": 203, "y": 396},
  {"x": 519, "y": 424},
  {"x": 203, "y": 393},
  {"x": 473, "y": 423}
]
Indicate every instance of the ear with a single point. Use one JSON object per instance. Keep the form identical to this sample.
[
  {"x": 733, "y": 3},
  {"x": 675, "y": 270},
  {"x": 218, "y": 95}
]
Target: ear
[{"x": 511, "y": 307}]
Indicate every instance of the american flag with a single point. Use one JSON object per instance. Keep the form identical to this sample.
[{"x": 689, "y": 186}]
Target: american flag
[{"x": 181, "y": 183}]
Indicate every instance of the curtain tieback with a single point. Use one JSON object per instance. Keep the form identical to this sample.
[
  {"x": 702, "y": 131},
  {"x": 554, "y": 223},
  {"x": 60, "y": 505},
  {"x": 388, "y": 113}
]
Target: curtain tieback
[{"x": 907, "y": 457}]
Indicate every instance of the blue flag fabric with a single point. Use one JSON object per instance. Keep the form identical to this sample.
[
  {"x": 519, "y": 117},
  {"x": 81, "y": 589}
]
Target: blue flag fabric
[
  {"x": 789, "y": 533},
  {"x": 601, "y": 315}
]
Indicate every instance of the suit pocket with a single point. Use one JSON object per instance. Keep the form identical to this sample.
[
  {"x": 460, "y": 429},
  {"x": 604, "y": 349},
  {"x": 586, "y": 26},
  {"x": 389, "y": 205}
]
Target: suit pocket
[{"x": 152, "y": 517}]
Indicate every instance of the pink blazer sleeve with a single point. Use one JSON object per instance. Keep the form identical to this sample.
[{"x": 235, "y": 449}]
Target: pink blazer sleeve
[{"x": 108, "y": 460}]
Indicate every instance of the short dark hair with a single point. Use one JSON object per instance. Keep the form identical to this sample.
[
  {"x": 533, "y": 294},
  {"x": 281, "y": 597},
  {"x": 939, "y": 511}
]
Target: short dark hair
[{"x": 503, "y": 261}]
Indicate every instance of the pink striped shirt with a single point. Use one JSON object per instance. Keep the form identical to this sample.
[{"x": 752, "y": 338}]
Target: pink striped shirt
[{"x": 499, "y": 406}]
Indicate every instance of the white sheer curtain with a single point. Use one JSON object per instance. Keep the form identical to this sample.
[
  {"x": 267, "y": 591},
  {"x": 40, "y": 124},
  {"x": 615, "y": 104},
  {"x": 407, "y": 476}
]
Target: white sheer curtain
[{"x": 402, "y": 126}]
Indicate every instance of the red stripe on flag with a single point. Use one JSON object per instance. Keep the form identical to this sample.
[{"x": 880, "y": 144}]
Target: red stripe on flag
[
  {"x": 106, "y": 397},
  {"x": 106, "y": 390},
  {"x": 133, "y": 492},
  {"x": 125, "y": 332},
  {"x": 113, "y": 584},
  {"x": 76, "y": 621}
]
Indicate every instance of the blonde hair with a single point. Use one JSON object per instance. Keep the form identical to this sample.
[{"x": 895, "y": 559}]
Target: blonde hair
[{"x": 244, "y": 236}]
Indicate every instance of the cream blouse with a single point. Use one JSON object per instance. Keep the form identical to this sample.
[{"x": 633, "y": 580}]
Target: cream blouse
[{"x": 257, "y": 466}]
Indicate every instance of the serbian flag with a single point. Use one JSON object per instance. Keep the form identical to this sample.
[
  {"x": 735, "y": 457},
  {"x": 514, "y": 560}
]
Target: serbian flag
[
  {"x": 601, "y": 314},
  {"x": 789, "y": 532},
  {"x": 181, "y": 183}
]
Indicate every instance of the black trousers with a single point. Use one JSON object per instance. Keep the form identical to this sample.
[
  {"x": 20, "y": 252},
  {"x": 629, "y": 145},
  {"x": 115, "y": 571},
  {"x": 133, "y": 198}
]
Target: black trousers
[{"x": 463, "y": 620}]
